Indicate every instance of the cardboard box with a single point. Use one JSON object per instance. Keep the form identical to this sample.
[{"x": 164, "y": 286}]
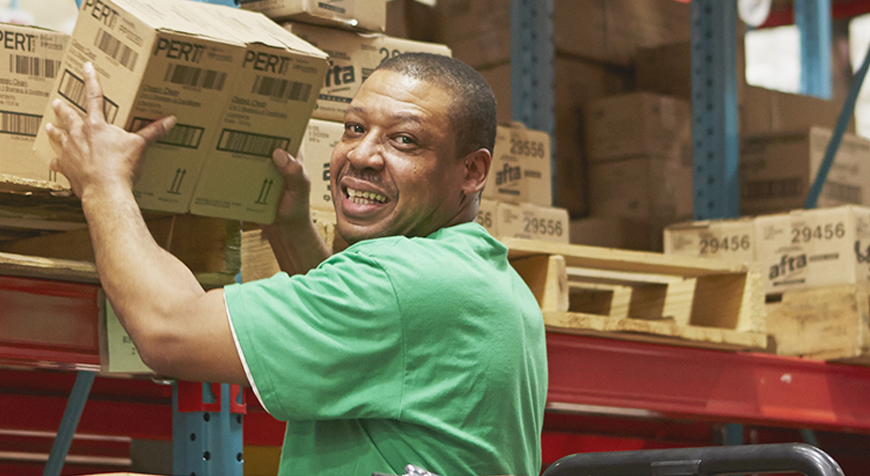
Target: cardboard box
[
  {"x": 315, "y": 153},
  {"x": 638, "y": 123},
  {"x": 520, "y": 170},
  {"x": 532, "y": 222},
  {"x": 487, "y": 216},
  {"x": 477, "y": 31},
  {"x": 353, "y": 57},
  {"x": 613, "y": 30},
  {"x": 649, "y": 187},
  {"x": 411, "y": 19},
  {"x": 765, "y": 111},
  {"x": 193, "y": 60},
  {"x": 731, "y": 241},
  {"x": 777, "y": 171},
  {"x": 499, "y": 79},
  {"x": 615, "y": 232},
  {"x": 808, "y": 248},
  {"x": 273, "y": 95},
  {"x": 666, "y": 69},
  {"x": 366, "y": 15},
  {"x": 34, "y": 56}
]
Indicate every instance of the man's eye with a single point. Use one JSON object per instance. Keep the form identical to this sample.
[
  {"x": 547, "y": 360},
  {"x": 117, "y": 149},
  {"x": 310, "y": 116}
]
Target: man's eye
[
  {"x": 354, "y": 128},
  {"x": 405, "y": 140}
]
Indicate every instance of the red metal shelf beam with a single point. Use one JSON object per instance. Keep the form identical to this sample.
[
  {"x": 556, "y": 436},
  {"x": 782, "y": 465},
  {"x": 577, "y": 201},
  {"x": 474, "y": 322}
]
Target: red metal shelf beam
[{"x": 616, "y": 377}]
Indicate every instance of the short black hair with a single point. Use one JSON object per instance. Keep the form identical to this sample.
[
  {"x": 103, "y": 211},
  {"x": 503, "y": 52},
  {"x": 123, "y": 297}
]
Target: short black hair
[{"x": 472, "y": 113}]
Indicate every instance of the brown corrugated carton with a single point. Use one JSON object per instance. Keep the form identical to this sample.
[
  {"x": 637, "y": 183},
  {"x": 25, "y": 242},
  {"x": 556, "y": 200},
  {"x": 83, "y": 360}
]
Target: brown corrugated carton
[
  {"x": 777, "y": 171},
  {"x": 315, "y": 153},
  {"x": 34, "y": 56},
  {"x": 637, "y": 123},
  {"x": 367, "y": 15},
  {"x": 809, "y": 248},
  {"x": 353, "y": 57},
  {"x": 532, "y": 222},
  {"x": 732, "y": 241},
  {"x": 190, "y": 60},
  {"x": 520, "y": 169}
]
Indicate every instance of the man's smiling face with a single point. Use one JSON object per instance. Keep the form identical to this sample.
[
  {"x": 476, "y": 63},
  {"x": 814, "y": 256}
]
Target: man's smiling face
[{"x": 395, "y": 170}]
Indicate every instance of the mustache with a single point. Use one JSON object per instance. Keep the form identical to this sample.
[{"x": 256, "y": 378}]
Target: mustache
[{"x": 366, "y": 175}]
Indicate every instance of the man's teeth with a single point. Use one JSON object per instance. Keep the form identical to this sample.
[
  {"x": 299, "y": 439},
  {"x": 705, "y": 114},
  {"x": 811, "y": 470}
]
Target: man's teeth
[{"x": 365, "y": 197}]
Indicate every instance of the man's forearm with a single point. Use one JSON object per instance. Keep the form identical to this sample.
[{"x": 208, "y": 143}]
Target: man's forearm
[
  {"x": 298, "y": 248},
  {"x": 145, "y": 284}
]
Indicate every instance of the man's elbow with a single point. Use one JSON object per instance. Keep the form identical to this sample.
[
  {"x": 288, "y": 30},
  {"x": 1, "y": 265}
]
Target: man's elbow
[{"x": 162, "y": 352}]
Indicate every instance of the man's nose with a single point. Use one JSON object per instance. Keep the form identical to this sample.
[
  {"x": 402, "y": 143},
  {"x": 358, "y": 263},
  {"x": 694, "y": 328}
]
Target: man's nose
[{"x": 367, "y": 153}]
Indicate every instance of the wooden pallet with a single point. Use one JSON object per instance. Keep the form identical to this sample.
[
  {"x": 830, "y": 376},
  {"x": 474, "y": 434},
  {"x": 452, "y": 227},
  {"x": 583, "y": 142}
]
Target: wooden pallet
[
  {"x": 643, "y": 296},
  {"x": 827, "y": 323}
]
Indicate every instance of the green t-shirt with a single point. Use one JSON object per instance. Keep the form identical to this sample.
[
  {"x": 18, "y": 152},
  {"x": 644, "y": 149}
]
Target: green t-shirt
[{"x": 426, "y": 351}]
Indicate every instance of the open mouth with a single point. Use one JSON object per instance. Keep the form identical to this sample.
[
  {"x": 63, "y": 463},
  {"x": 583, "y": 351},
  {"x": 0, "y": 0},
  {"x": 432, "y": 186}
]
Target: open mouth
[{"x": 365, "y": 198}]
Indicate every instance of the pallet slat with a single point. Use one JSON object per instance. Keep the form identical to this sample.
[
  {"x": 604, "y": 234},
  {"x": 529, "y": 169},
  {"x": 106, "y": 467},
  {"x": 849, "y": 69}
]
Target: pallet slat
[{"x": 644, "y": 296}]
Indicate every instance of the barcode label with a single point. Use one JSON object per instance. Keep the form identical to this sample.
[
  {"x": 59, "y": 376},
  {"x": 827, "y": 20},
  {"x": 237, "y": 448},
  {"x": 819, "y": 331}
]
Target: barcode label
[
  {"x": 842, "y": 192},
  {"x": 118, "y": 51},
  {"x": 33, "y": 66},
  {"x": 73, "y": 89},
  {"x": 182, "y": 135},
  {"x": 195, "y": 77},
  {"x": 19, "y": 124},
  {"x": 277, "y": 88},
  {"x": 251, "y": 144}
]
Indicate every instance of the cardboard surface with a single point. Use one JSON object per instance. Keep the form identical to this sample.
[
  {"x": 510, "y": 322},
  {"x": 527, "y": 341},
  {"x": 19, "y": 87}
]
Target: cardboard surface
[
  {"x": 520, "y": 169},
  {"x": 315, "y": 153},
  {"x": 807, "y": 248},
  {"x": 352, "y": 57},
  {"x": 367, "y": 15},
  {"x": 34, "y": 56},
  {"x": 637, "y": 123},
  {"x": 234, "y": 80},
  {"x": 731, "y": 241},
  {"x": 532, "y": 222},
  {"x": 777, "y": 171}
]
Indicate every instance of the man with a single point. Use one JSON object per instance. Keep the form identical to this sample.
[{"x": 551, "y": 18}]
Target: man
[{"x": 418, "y": 344}]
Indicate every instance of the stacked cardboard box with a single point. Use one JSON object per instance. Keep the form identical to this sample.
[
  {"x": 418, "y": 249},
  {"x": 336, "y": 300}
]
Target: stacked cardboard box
[
  {"x": 34, "y": 57},
  {"x": 239, "y": 85},
  {"x": 778, "y": 169},
  {"x": 517, "y": 199},
  {"x": 639, "y": 148},
  {"x": 816, "y": 270}
]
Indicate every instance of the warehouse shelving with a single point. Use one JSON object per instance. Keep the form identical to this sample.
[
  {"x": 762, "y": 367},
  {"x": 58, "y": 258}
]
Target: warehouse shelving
[{"x": 588, "y": 375}]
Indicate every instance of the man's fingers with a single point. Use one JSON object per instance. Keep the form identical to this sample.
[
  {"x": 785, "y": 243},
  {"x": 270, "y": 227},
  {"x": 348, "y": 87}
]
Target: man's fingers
[
  {"x": 285, "y": 162},
  {"x": 55, "y": 134},
  {"x": 158, "y": 128},
  {"x": 66, "y": 116},
  {"x": 94, "y": 93}
]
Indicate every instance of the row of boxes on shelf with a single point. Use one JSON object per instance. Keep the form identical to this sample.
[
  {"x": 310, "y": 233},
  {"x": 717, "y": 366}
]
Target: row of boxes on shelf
[
  {"x": 815, "y": 266},
  {"x": 640, "y": 163},
  {"x": 239, "y": 84}
]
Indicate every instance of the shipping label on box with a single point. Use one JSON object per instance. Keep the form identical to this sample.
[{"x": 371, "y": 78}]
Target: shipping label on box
[
  {"x": 315, "y": 153},
  {"x": 271, "y": 103},
  {"x": 808, "y": 248},
  {"x": 777, "y": 170},
  {"x": 731, "y": 241},
  {"x": 656, "y": 188},
  {"x": 33, "y": 56},
  {"x": 487, "y": 216},
  {"x": 151, "y": 63},
  {"x": 353, "y": 57},
  {"x": 367, "y": 15},
  {"x": 520, "y": 169},
  {"x": 532, "y": 222},
  {"x": 638, "y": 123},
  {"x": 118, "y": 353}
]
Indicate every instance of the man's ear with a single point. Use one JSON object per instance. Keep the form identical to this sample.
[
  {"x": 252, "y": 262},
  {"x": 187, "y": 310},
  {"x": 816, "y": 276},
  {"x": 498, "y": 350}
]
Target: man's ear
[{"x": 476, "y": 170}]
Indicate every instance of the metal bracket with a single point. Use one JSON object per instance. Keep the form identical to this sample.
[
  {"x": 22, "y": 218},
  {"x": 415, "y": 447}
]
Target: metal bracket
[{"x": 207, "y": 429}]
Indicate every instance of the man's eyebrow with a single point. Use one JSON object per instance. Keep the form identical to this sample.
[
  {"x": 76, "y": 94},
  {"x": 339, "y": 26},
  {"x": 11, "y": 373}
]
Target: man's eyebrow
[{"x": 398, "y": 118}]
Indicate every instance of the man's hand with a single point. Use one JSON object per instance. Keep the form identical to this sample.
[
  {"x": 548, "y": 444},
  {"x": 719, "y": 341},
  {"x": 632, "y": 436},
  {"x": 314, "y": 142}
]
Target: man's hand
[
  {"x": 94, "y": 152},
  {"x": 295, "y": 200}
]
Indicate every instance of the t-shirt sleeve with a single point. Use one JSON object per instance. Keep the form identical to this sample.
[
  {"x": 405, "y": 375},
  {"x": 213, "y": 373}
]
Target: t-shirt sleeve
[{"x": 325, "y": 345}]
